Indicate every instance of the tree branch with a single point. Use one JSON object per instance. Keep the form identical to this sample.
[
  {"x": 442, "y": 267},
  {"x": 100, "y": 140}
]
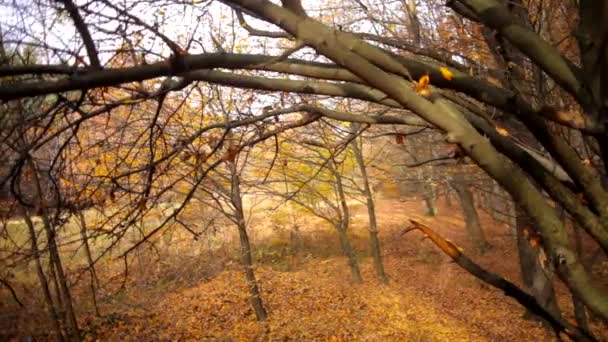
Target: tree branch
[
  {"x": 494, "y": 15},
  {"x": 83, "y": 29},
  {"x": 13, "y": 293},
  {"x": 509, "y": 289}
]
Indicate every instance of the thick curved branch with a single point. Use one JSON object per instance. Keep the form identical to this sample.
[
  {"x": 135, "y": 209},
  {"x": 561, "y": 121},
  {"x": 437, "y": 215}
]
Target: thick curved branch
[
  {"x": 81, "y": 79},
  {"x": 541, "y": 171},
  {"x": 260, "y": 33}
]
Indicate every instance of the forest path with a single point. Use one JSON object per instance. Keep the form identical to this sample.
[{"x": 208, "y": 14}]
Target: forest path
[
  {"x": 317, "y": 302},
  {"x": 428, "y": 298}
]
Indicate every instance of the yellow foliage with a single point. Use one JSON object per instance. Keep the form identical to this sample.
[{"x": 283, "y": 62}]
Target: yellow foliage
[
  {"x": 502, "y": 131},
  {"x": 446, "y": 73},
  {"x": 422, "y": 86}
]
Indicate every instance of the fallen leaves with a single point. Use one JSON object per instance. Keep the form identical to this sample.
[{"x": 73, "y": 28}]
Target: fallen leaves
[
  {"x": 315, "y": 303},
  {"x": 425, "y": 301}
]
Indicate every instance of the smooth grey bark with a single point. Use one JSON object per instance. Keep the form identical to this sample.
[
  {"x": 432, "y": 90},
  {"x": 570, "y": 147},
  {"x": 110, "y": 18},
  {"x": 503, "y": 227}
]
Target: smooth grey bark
[
  {"x": 371, "y": 212},
  {"x": 255, "y": 297},
  {"x": 536, "y": 276},
  {"x": 471, "y": 218}
]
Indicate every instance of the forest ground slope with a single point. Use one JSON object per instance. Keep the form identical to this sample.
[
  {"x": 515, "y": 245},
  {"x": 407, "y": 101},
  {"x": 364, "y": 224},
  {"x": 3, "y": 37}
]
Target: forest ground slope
[{"x": 428, "y": 297}]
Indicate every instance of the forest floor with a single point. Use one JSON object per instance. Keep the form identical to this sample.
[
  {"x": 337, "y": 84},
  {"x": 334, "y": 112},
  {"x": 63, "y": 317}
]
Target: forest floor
[{"x": 428, "y": 298}]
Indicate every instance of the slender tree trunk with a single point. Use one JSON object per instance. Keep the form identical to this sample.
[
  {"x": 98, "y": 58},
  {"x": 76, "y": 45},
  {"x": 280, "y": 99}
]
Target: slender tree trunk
[
  {"x": 473, "y": 226},
  {"x": 56, "y": 259},
  {"x": 414, "y": 23},
  {"x": 429, "y": 199},
  {"x": 580, "y": 312},
  {"x": 247, "y": 260},
  {"x": 349, "y": 253},
  {"x": 536, "y": 276},
  {"x": 53, "y": 280},
  {"x": 371, "y": 212},
  {"x": 62, "y": 279},
  {"x": 448, "y": 197},
  {"x": 294, "y": 234},
  {"x": 94, "y": 282},
  {"x": 255, "y": 297},
  {"x": 52, "y": 310},
  {"x": 342, "y": 226}
]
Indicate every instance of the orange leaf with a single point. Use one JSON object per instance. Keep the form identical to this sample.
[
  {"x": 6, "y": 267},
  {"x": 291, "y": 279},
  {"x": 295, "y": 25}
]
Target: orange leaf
[
  {"x": 422, "y": 86},
  {"x": 535, "y": 241},
  {"x": 446, "y": 73},
  {"x": 502, "y": 131},
  {"x": 423, "y": 82}
]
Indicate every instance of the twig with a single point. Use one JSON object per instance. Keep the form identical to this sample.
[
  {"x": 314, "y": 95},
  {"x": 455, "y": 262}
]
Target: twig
[{"x": 13, "y": 293}]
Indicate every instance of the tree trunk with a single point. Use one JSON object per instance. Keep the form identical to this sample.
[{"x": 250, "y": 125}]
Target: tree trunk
[
  {"x": 350, "y": 255},
  {"x": 414, "y": 23},
  {"x": 371, "y": 212},
  {"x": 343, "y": 223},
  {"x": 52, "y": 310},
  {"x": 536, "y": 277},
  {"x": 473, "y": 227},
  {"x": 62, "y": 279},
  {"x": 580, "y": 312},
  {"x": 74, "y": 333},
  {"x": 94, "y": 281},
  {"x": 54, "y": 282},
  {"x": 255, "y": 297},
  {"x": 429, "y": 199},
  {"x": 448, "y": 197}
]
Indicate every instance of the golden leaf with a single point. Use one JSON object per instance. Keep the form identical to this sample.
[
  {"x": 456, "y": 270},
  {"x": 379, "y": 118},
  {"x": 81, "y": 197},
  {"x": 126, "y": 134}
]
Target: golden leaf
[
  {"x": 446, "y": 73},
  {"x": 423, "y": 82},
  {"x": 502, "y": 131},
  {"x": 422, "y": 86}
]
